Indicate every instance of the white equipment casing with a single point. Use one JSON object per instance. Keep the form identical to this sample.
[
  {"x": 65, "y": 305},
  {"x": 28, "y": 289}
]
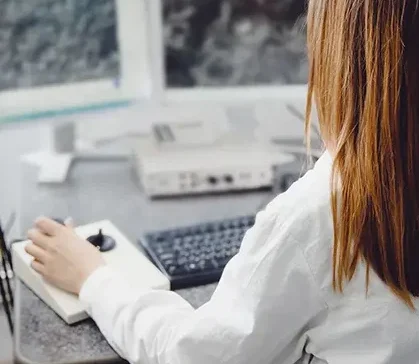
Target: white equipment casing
[
  {"x": 124, "y": 259},
  {"x": 229, "y": 164}
]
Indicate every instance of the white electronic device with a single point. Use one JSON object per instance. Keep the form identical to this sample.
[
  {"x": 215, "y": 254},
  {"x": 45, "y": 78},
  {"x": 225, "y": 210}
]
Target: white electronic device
[
  {"x": 124, "y": 258},
  {"x": 230, "y": 163},
  {"x": 242, "y": 58}
]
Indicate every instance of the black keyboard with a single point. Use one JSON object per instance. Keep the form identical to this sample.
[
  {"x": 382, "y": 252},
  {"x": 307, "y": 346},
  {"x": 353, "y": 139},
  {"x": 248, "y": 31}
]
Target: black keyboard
[{"x": 196, "y": 255}]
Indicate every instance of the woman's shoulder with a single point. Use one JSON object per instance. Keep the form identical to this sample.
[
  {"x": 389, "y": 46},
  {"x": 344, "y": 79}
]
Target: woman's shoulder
[
  {"x": 304, "y": 209},
  {"x": 302, "y": 217},
  {"x": 299, "y": 217}
]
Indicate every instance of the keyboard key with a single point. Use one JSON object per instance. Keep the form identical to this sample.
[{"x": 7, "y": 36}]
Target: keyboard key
[{"x": 196, "y": 255}]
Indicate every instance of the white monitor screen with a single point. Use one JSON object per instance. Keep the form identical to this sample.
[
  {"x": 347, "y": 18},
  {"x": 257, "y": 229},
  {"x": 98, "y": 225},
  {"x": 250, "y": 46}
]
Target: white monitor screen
[
  {"x": 229, "y": 43},
  {"x": 55, "y": 42},
  {"x": 57, "y": 54}
]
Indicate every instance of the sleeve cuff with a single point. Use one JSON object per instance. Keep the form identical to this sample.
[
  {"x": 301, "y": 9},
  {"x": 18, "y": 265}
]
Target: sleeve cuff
[
  {"x": 104, "y": 292},
  {"x": 94, "y": 283}
]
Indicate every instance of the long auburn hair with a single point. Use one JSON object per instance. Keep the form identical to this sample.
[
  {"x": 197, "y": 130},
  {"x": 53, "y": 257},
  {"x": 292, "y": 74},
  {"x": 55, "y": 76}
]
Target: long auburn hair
[{"x": 364, "y": 82}]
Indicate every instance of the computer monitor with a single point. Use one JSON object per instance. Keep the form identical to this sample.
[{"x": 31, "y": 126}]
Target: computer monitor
[
  {"x": 229, "y": 50},
  {"x": 71, "y": 55}
]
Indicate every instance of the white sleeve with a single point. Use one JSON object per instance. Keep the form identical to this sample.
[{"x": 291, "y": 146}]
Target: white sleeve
[{"x": 264, "y": 300}]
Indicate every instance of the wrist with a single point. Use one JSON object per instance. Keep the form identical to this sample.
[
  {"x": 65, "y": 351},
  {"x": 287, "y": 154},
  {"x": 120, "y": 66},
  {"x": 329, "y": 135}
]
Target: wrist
[{"x": 87, "y": 273}]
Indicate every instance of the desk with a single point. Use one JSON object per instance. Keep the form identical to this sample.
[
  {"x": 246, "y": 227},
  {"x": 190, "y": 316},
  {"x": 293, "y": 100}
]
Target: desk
[{"x": 96, "y": 191}]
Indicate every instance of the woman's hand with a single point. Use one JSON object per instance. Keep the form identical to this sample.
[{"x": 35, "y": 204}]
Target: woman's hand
[{"x": 62, "y": 257}]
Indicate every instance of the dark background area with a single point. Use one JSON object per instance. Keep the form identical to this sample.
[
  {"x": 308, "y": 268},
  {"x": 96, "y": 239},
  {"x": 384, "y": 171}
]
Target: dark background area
[{"x": 234, "y": 42}]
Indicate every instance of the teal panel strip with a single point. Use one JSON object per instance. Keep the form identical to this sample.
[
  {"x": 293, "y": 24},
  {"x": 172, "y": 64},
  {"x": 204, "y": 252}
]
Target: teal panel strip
[{"x": 62, "y": 112}]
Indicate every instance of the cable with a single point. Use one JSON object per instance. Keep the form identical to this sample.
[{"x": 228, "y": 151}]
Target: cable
[
  {"x": 5, "y": 286},
  {"x": 6, "y": 258},
  {"x": 8, "y": 227},
  {"x": 6, "y": 305},
  {"x": 293, "y": 110}
]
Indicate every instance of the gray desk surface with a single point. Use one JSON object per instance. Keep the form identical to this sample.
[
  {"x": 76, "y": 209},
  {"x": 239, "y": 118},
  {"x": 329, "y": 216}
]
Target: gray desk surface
[{"x": 96, "y": 191}]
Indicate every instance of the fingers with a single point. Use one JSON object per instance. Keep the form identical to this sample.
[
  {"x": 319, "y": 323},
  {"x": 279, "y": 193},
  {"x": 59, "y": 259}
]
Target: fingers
[
  {"x": 48, "y": 226},
  {"x": 35, "y": 251},
  {"x": 38, "y": 267},
  {"x": 38, "y": 238}
]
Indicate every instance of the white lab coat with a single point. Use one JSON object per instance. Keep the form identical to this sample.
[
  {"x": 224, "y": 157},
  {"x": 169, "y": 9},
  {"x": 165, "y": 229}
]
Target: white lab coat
[{"x": 274, "y": 302}]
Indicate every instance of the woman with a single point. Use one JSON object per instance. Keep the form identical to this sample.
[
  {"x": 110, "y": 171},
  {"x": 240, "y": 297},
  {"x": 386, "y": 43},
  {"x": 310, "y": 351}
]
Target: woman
[{"x": 330, "y": 271}]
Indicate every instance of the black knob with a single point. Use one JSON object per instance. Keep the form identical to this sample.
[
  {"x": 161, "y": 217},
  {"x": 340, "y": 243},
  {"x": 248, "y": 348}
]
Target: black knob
[{"x": 103, "y": 242}]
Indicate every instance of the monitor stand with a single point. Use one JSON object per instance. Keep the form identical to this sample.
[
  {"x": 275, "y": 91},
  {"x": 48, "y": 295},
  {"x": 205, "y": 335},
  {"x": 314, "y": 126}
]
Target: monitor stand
[
  {"x": 61, "y": 150},
  {"x": 54, "y": 161},
  {"x": 53, "y": 167}
]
